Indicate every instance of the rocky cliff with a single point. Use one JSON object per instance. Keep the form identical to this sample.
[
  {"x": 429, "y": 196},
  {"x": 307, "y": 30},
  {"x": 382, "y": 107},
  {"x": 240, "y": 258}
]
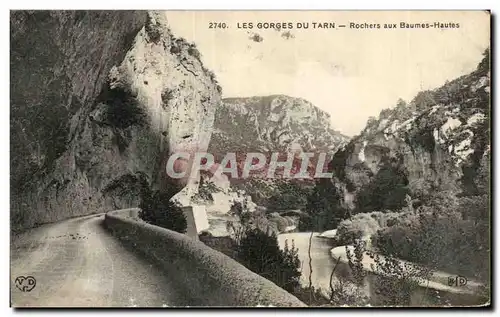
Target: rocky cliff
[
  {"x": 273, "y": 123},
  {"x": 268, "y": 124},
  {"x": 440, "y": 141},
  {"x": 98, "y": 102}
]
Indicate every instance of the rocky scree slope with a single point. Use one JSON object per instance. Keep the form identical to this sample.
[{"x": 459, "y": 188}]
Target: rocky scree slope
[
  {"x": 440, "y": 141},
  {"x": 98, "y": 102}
]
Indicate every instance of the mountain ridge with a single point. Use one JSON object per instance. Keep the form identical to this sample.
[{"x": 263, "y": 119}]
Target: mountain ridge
[{"x": 437, "y": 141}]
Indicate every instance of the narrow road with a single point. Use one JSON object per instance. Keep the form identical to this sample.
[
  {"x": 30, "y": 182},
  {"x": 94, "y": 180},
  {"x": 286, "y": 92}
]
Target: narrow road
[{"x": 78, "y": 263}]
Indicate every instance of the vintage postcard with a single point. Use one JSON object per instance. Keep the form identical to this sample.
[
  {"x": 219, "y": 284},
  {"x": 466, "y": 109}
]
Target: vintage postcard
[{"x": 250, "y": 158}]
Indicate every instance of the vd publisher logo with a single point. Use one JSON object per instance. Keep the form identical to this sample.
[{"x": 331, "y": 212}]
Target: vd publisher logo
[
  {"x": 25, "y": 283},
  {"x": 457, "y": 280}
]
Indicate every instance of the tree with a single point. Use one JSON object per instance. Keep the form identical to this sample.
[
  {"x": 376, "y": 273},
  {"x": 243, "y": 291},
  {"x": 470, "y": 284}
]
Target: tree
[
  {"x": 446, "y": 233},
  {"x": 158, "y": 210},
  {"x": 355, "y": 261},
  {"x": 396, "y": 280},
  {"x": 260, "y": 253},
  {"x": 323, "y": 209},
  {"x": 287, "y": 194},
  {"x": 387, "y": 190},
  {"x": 237, "y": 229},
  {"x": 400, "y": 104},
  {"x": 484, "y": 65}
]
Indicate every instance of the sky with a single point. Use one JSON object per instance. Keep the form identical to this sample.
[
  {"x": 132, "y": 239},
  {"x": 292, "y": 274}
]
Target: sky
[{"x": 350, "y": 73}]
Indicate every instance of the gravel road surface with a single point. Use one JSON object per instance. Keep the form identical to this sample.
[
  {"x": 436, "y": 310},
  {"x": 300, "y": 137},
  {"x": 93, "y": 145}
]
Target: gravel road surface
[{"x": 77, "y": 263}]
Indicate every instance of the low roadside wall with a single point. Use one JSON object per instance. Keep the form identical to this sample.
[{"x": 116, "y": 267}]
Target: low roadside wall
[{"x": 209, "y": 277}]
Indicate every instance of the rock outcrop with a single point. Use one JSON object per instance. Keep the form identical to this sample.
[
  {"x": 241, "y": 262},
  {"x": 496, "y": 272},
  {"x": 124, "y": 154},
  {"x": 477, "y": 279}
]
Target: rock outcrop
[
  {"x": 270, "y": 124},
  {"x": 99, "y": 100},
  {"x": 440, "y": 141},
  {"x": 273, "y": 123}
]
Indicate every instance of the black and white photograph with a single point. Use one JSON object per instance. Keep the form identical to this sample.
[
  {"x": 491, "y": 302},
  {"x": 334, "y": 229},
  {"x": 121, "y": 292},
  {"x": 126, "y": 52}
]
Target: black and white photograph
[{"x": 232, "y": 158}]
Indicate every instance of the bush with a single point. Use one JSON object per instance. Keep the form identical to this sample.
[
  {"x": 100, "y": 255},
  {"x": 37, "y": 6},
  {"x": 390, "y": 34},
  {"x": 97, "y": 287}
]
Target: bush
[
  {"x": 193, "y": 51},
  {"x": 123, "y": 109},
  {"x": 387, "y": 190},
  {"x": 289, "y": 195},
  {"x": 255, "y": 220},
  {"x": 261, "y": 223},
  {"x": 260, "y": 253},
  {"x": 205, "y": 190},
  {"x": 345, "y": 293},
  {"x": 249, "y": 220},
  {"x": 359, "y": 226},
  {"x": 395, "y": 241},
  {"x": 158, "y": 210},
  {"x": 323, "y": 209},
  {"x": 455, "y": 240},
  {"x": 290, "y": 221},
  {"x": 281, "y": 222},
  {"x": 396, "y": 281},
  {"x": 153, "y": 29}
]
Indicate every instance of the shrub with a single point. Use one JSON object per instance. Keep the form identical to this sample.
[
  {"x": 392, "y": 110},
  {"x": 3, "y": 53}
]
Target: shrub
[
  {"x": 157, "y": 209},
  {"x": 153, "y": 30},
  {"x": 323, "y": 209},
  {"x": 359, "y": 226},
  {"x": 387, "y": 190},
  {"x": 211, "y": 75},
  {"x": 396, "y": 281},
  {"x": 396, "y": 241},
  {"x": 260, "y": 253},
  {"x": 261, "y": 223},
  {"x": 289, "y": 195},
  {"x": 123, "y": 108},
  {"x": 342, "y": 293},
  {"x": 345, "y": 293},
  {"x": 290, "y": 221},
  {"x": 281, "y": 222},
  {"x": 167, "y": 95},
  {"x": 237, "y": 209},
  {"x": 313, "y": 296},
  {"x": 355, "y": 261},
  {"x": 206, "y": 189},
  {"x": 248, "y": 220},
  {"x": 193, "y": 51},
  {"x": 454, "y": 240}
]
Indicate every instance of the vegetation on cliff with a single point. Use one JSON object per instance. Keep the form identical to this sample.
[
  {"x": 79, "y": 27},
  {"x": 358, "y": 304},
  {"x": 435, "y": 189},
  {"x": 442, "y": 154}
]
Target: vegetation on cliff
[{"x": 157, "y": 209}]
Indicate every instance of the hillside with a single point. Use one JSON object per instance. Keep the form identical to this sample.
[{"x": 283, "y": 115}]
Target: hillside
[
  {"x": 440, "y": 141},
  {"x": 273, "y": 123},
  {"x": 269, "y": 124}
]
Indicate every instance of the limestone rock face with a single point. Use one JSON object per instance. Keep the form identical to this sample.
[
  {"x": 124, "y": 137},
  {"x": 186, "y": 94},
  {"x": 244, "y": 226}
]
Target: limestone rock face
[
  {"x": 437, "y": 142},
  {"x": 270, "y": 124},
  {"x": 59, "y": 62},
  {"x": 273, "y": 123},
  {"x": 99, "y": 102}
]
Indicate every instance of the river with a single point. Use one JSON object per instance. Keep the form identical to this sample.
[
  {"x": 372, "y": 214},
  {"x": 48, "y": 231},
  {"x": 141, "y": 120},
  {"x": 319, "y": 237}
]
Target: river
[{"x": 322, "y": 264}]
